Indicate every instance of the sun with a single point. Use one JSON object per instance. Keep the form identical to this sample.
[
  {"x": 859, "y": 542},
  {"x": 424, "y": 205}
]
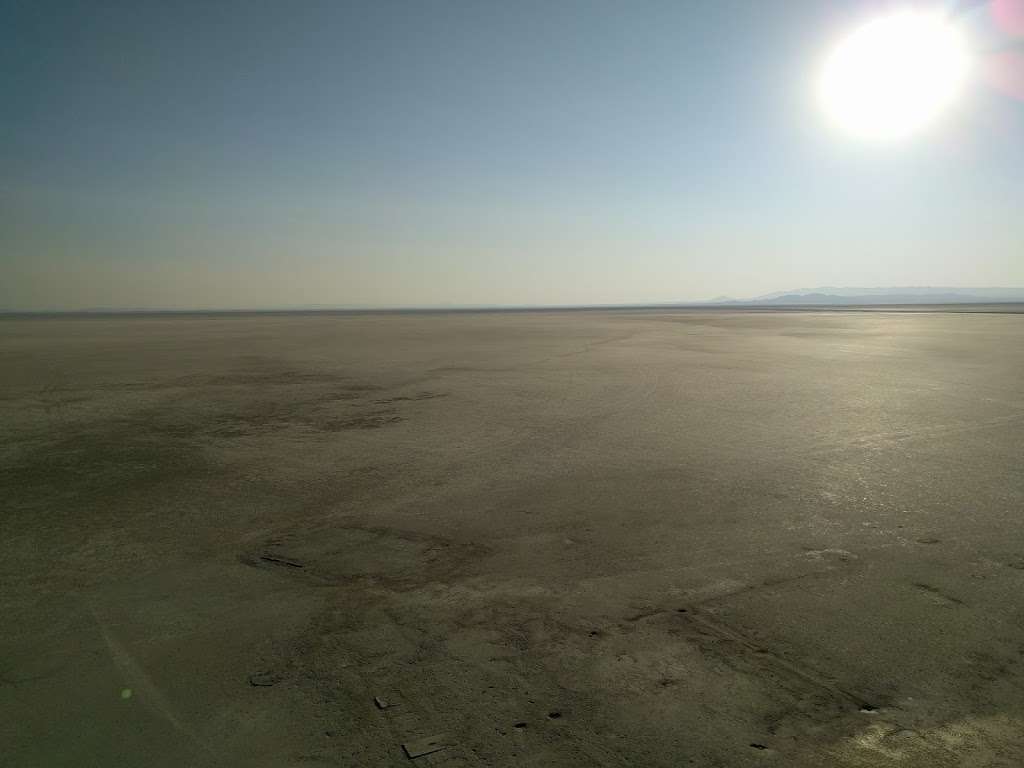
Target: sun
[{"x": 893, "y": 75}]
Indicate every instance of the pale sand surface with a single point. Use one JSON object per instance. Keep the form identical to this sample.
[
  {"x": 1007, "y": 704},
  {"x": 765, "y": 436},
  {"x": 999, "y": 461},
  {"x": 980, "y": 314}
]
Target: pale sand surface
[{"x": 632, "y": 538}]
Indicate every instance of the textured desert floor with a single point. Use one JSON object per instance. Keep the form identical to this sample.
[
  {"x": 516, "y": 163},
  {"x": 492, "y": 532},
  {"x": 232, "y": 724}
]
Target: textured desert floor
[{"x": 591, "y": 538}]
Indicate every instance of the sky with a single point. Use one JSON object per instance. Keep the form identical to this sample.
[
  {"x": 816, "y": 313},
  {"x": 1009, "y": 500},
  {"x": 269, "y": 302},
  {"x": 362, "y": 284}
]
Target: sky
[{"x": 436, "y": 153}]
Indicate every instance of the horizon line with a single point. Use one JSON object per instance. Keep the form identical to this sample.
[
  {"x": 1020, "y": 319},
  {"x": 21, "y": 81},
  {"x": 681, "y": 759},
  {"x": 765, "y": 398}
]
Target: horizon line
[{"x": 469, "y": 308}]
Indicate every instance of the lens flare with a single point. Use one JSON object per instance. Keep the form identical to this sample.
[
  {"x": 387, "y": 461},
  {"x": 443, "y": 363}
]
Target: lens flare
[{"x": 1009, "y": 16}]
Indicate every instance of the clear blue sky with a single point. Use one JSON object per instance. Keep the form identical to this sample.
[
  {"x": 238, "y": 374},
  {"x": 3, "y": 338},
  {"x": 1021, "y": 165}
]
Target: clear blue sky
[{"x": 232, "y": 154}]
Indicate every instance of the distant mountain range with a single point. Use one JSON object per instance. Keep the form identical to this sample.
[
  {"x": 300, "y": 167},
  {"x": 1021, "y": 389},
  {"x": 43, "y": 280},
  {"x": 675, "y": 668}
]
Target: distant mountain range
[{"x": 832, "y": 295}]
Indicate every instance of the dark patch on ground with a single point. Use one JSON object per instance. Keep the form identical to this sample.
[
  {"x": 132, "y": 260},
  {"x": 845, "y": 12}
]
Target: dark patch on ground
[
  {"x": 96, "y": 462},
  {"x": 365, "y": 421},
  {"x": 276, "y": 378},
  {"x": 349, "y": 554},
  {"x": 411, "y": 398}
]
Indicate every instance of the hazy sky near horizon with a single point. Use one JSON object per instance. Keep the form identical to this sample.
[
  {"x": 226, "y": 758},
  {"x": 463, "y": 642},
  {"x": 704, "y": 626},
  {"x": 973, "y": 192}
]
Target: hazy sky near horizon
[{"x": 260, "y": 154}]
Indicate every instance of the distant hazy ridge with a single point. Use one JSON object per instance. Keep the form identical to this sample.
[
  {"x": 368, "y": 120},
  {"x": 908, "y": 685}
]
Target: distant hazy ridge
[{"x": 900, "y": 295}]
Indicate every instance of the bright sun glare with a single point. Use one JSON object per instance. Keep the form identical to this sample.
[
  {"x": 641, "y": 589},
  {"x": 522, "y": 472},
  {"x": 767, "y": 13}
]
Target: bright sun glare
[{"x": 891, "y": 76}]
